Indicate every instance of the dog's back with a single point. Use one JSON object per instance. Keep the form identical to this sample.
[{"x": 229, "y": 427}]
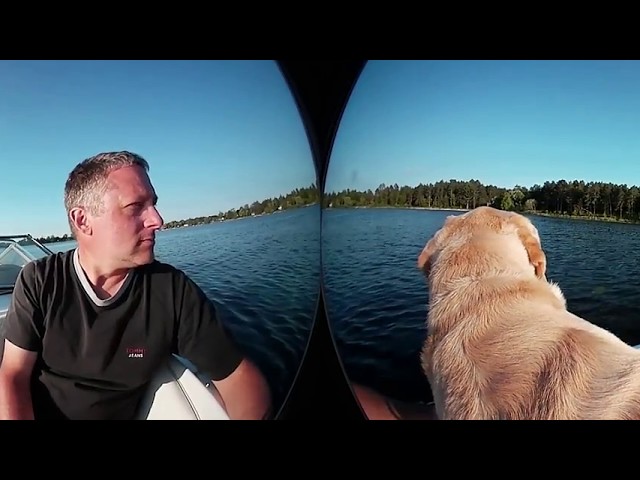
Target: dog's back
[{"x": 521, "y": 364}]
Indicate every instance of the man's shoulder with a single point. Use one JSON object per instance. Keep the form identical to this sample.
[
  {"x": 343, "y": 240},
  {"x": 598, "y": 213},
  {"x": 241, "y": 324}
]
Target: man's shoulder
[
  {"x": 162, "y": 270},
  {"x": 162, "y": 274},
  {"x": 43, "y": 267}
]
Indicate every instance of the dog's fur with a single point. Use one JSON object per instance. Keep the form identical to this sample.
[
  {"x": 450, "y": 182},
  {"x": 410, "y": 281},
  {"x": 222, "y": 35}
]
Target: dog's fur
[{"x": 501, "y": 343}]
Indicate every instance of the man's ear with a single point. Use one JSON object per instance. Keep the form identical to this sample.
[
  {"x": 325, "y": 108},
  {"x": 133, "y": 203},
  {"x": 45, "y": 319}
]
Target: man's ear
[
  {"x": 80, "y": 220},
  {"x": 531, "y": 241}
]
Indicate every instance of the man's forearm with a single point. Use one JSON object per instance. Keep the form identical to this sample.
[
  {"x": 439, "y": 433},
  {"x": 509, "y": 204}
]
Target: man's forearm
[
  {"x": 254, "y": 404},
  {"x": 246, "y": 393},
  {"x": 15, "y": 400}
]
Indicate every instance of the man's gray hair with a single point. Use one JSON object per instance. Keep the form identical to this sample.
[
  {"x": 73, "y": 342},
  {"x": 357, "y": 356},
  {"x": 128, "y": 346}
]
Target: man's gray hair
[{"x": 87, "y": 182}]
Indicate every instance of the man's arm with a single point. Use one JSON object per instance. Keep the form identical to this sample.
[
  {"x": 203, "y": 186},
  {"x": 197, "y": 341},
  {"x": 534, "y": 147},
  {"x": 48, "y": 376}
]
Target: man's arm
[
  {"x": 22, "y": 340},
  {"x": 15, "y": 383},
  {"x": 205, "y": 342},
  {"x": 245, "y": 393}
]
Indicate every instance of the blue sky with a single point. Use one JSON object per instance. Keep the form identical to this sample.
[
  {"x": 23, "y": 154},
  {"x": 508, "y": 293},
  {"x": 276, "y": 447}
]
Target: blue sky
[
  {"x": 217, "y": 134},
  {"x": 500, "y": 122}
]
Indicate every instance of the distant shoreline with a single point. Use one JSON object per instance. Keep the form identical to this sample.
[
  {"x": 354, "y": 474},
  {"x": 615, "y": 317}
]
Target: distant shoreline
[
  {"x": 590, "y": 218},
  {"x": 176, "y": 226},
  {"x": 396, "y": 207}
]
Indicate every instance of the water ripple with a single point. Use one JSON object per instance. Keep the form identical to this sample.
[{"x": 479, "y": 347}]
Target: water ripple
[{"x": 264, "y": 275}]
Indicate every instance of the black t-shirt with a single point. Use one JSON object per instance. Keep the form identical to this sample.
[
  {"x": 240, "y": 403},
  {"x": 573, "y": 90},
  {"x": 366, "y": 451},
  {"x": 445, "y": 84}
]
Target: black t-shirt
[{"x": 96, "y": 357}]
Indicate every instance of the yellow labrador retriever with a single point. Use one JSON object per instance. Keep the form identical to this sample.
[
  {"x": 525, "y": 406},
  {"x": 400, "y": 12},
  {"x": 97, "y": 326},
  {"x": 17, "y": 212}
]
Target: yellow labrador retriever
[{"x": 501, "y": 343}]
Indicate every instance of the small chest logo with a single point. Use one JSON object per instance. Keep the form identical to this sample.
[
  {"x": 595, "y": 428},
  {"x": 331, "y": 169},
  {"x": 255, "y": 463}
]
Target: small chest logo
[{"x": 136, "y": 352}]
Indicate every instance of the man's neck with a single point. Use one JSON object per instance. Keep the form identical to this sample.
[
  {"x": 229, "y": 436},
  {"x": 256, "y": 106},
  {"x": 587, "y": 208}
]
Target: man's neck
[{"x": 105, "y": 279}]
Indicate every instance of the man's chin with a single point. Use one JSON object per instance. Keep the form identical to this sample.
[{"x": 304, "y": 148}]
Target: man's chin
[{"x": 144, "y": 258}]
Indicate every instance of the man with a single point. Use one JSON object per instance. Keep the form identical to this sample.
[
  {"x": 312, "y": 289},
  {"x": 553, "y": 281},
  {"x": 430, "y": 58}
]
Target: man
[{"x": 76, "y": 316}]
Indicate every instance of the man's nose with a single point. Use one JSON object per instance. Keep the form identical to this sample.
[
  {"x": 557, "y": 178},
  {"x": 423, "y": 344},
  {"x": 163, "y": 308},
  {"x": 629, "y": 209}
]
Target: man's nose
[{"x": 154, "y": 219}]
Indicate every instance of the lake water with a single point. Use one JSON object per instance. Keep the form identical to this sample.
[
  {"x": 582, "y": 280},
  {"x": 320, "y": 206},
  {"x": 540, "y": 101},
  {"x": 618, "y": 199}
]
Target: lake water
[
  {"x": 264, "y": 275},
  {"x": 377, "y": 299}
]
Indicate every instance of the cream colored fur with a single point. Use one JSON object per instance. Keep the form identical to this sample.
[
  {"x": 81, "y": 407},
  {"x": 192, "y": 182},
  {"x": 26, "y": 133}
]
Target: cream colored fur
[{"x": 501, "y": 343}]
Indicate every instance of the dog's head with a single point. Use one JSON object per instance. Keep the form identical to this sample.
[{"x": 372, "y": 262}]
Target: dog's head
[{"x": 458, "y": 229}]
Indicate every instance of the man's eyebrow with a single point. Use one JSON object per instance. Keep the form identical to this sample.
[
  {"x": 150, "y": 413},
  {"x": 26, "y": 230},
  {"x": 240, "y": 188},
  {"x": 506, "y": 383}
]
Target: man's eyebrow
[
  {"x": 142, "y": 199},
  {"x": 145, "y": 198}
]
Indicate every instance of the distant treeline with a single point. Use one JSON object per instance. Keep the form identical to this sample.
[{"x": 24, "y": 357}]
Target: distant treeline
[
  {"x": 52, "y": 239},
  {"x": 570, "y": 198},
  {"x": 298, "y": 197}
]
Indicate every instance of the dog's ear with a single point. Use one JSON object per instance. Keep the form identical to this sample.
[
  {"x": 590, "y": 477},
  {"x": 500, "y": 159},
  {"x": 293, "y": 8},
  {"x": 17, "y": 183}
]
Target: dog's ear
[
  {"x": 530, "y": 239},
  {"x": 426, "y": 256},
  {"x": 424, "y": 259}
]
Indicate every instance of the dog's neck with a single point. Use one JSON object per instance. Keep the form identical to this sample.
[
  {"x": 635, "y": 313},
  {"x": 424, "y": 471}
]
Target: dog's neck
[
  {"x": 444, "y": 279},
  {"x": 478, "y": 285},
  {"x": 484, "y": 256}
]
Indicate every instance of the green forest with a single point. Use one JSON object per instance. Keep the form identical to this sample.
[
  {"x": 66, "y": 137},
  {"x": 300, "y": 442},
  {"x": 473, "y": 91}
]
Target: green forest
[
  {"x": 299, "y": 197},
  {"x": 575, "y": 198}
]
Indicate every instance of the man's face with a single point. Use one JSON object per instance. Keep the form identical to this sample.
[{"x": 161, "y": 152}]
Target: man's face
[{"x": 125, "y": 229}]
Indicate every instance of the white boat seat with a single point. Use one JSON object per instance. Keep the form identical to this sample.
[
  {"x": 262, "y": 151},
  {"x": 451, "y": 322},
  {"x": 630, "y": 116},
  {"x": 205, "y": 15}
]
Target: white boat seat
[{"x": 176, "y": 393}]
